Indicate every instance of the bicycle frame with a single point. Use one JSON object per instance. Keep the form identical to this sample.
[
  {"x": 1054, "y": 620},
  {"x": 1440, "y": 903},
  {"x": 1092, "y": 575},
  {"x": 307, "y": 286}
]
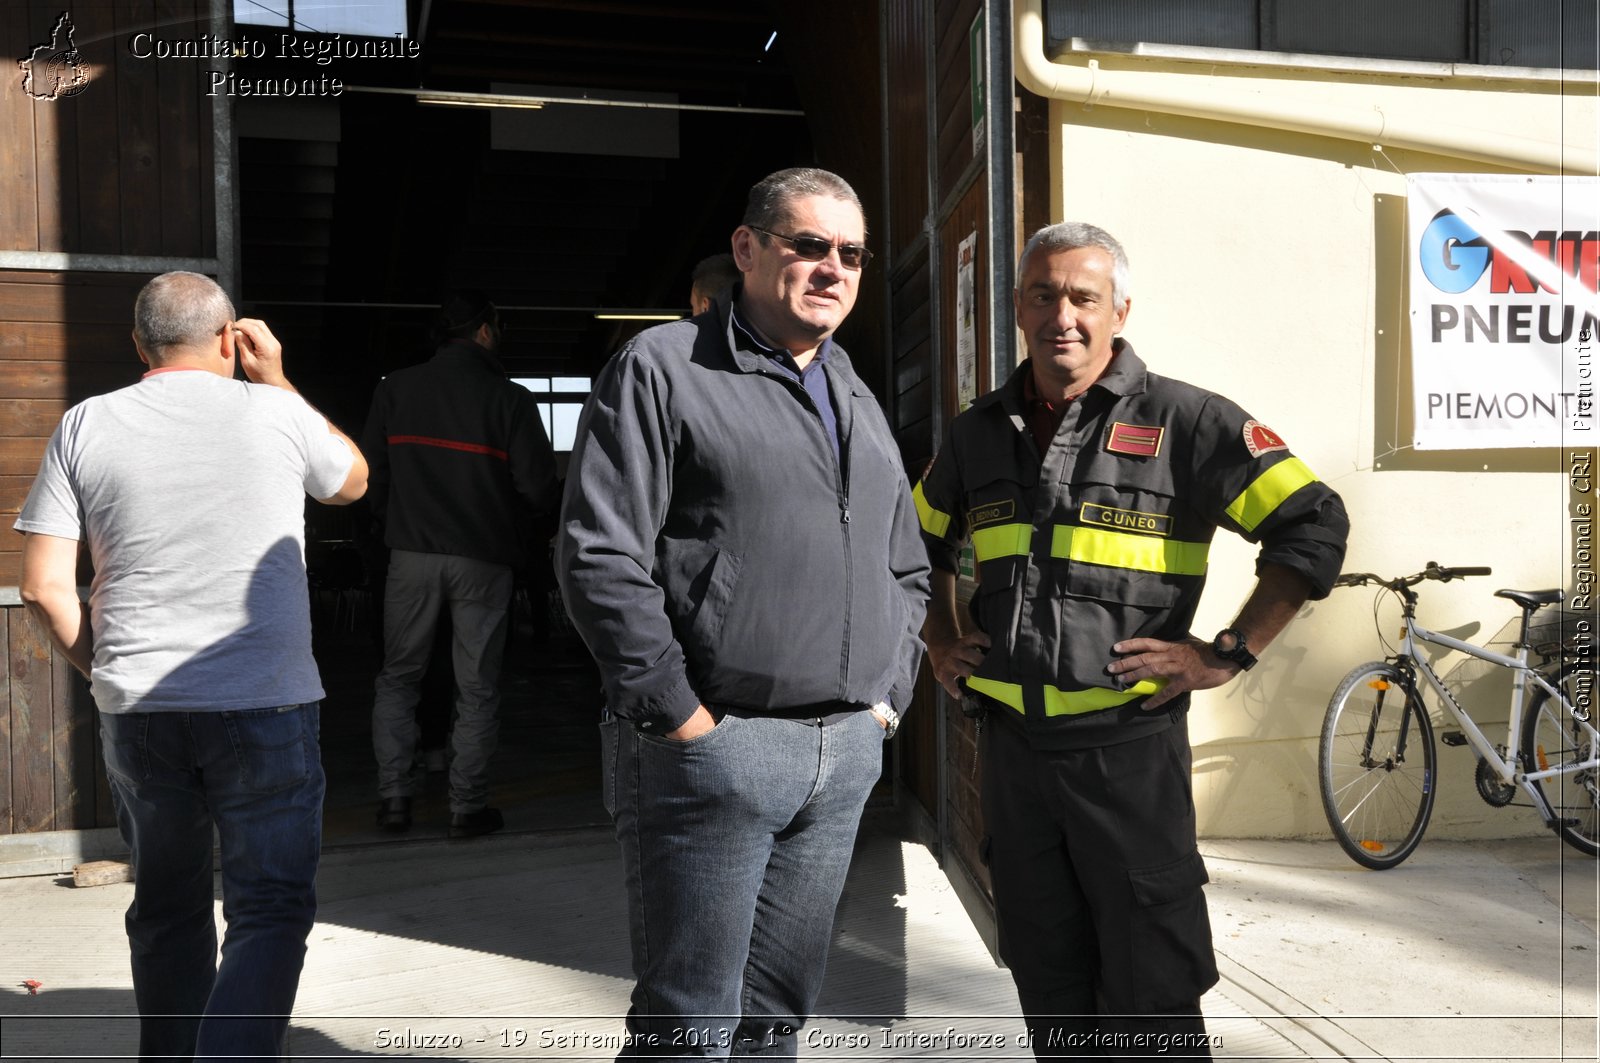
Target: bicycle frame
[{"x": 1505, "y": 767}]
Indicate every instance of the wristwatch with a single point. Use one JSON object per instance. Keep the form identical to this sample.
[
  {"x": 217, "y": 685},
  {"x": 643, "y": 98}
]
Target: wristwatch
[
  {"x": 1230, "y": 646},
  {"x": 891, "y": 719}
]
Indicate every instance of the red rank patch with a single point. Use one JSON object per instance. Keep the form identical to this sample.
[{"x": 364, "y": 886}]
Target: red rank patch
[
  {"x": 1259, "y": 439},
  {"x": 1141, "y": 441}
]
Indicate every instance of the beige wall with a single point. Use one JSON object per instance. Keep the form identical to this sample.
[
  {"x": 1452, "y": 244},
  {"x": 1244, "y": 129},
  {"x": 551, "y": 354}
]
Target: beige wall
[{"x": 1269, "y": 266}]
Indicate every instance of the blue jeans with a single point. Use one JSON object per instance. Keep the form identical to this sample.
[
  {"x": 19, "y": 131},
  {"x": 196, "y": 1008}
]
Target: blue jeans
[
  {"x": 257, "y": 776},
  {"x": 735, "y": 846}
]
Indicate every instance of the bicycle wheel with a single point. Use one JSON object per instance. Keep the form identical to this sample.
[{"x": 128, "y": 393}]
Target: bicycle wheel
[
  {"x": 1376, "y": 764},
  {"x": 1553, "y": 736}
]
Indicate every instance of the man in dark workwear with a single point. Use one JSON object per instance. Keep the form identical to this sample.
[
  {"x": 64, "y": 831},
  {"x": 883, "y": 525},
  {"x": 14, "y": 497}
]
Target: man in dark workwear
[
  {"x": 1089, "y": 489},
  {"x": 463, "y": 480}
]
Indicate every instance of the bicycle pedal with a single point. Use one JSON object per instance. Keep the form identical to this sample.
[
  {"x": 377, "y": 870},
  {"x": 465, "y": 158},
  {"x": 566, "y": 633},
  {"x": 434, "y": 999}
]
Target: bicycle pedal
[{"x": 1452, "y": 738}]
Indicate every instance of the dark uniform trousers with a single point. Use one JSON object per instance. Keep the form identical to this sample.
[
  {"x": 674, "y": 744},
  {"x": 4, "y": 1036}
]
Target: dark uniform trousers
[{"x": 1097, "y": 882}]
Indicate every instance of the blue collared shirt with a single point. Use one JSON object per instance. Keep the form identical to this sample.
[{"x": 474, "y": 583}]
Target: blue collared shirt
[{"x": 813, "y": 377}]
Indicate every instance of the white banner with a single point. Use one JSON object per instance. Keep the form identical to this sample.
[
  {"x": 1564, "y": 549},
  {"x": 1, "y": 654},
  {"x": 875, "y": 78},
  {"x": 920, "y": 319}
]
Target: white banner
[{"x": 1503, "y": 309}]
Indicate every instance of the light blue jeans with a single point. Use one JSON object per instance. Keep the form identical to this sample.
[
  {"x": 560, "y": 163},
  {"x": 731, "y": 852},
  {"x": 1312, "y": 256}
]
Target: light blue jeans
[
  {"x": 735, "y": 846},
  {"x": 257, "y": 776}
]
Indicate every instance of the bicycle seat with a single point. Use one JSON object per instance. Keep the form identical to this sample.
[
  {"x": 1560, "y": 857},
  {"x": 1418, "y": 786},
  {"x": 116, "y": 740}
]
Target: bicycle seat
[{"x": 1532, "y": 599}]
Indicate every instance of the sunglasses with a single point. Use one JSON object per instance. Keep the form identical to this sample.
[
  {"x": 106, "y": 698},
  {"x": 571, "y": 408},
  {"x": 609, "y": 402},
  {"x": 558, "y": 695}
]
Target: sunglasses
[{"x": 815, "y": 249}]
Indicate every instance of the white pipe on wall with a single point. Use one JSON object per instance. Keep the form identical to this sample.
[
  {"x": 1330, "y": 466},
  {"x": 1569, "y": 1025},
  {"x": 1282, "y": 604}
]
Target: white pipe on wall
[{"x": 1198, "y": 96}]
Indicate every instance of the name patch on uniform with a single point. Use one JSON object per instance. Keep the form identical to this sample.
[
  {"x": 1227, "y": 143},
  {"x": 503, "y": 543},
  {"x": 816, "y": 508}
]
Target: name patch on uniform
[
  {"x": 993, "y": 513},
  {"x": 1141, "y": 441},
  {"x": 1259, "y": 439},
  {"x": 1097, "y": 516}
]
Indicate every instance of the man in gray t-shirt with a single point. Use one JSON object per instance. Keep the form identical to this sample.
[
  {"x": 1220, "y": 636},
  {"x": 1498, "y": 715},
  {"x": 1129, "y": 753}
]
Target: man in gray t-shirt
[{"x": 188, "y": 489}]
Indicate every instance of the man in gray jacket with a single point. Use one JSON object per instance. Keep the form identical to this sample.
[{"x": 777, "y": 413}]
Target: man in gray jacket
[{"x": 740, "y": 551}]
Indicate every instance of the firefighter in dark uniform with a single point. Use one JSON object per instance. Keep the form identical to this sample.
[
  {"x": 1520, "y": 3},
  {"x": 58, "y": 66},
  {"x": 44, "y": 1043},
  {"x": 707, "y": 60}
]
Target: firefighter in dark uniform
[{"x": 1089, "y": 489}]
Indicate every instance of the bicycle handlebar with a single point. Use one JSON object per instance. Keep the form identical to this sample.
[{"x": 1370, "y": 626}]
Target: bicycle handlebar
[{"x": 1434, "y": 571}]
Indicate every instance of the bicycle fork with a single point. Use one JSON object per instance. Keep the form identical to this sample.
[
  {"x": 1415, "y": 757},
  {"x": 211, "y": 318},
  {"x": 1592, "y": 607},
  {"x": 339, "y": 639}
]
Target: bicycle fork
[{"x": 1398, "y": 755}]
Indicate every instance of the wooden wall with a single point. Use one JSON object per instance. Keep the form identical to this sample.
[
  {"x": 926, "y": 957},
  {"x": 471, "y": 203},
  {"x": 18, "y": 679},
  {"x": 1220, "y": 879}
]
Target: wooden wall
[
  {"x": 938, "y": 194},
  {"x": 905, "y": 264},
  {"x": 953, "y": 148},
  {"x": 63, "y": 338},
  {"x": 99, "y": 190},
  {"x": 52, "y": 775},
  {"x": 123, "y": 166}
]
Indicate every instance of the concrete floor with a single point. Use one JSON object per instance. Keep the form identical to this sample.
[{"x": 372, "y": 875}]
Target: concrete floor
[{"x": 517, "y": 944}]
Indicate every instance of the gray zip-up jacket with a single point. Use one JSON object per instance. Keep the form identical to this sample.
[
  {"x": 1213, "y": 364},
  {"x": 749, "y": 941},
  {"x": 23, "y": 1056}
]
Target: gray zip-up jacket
[{"x": 714, "y": 550}]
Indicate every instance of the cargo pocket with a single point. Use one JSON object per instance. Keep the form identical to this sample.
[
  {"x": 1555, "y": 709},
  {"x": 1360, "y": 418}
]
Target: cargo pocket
[
  {"x": 1173, "y": 964},
  {"x": 1151, "y": 592}
]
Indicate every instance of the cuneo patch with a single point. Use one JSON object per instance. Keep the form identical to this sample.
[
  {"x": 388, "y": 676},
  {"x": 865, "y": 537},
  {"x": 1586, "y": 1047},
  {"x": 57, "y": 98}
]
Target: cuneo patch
[{"x": 1092, "y": 514}]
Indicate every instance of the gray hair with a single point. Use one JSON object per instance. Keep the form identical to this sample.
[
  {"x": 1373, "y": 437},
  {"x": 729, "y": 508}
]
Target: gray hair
[
  {"x": 1071, "y": 235},
  {"x": 772, "y": 196},
  {"x": 179, "y": 309}
]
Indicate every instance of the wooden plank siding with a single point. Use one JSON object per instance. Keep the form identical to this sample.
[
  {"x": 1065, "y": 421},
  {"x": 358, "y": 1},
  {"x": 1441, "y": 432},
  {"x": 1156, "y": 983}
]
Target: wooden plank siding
[
  {"x": 906, "y": 25},
  {"x": 7, "y": 616},
  {"x": 953, "y": 99},
  {"x": 32, "y": 728},
  {"x": 124, "y": 167},
  {"x": 969, "y": 215},
  {"x": 63, "y": 338},
  {"x": 929, "y": 87},
  {"x": 52, "y": 773},
  {"x": 906, "y": 32}
]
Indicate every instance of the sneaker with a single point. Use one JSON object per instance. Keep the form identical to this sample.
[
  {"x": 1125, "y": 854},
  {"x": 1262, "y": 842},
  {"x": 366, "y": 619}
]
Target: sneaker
[
  {"x": 472, "y": 824},
  {"x": 394, "y": 814}
]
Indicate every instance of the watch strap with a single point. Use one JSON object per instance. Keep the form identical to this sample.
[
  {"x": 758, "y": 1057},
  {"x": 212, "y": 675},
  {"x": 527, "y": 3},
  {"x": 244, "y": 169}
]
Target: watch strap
[{"x": 1239, "y": 653}]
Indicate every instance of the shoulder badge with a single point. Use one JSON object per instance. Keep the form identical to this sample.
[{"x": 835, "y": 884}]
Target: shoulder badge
[
  {"x": 1141, "y": 441},
  {"x": 1259, "y": 439}
]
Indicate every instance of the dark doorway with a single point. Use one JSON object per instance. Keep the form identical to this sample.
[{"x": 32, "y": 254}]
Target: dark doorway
[{"x": 358, "y": 210}]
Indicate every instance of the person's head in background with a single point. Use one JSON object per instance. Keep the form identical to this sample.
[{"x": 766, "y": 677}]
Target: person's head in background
[
  {"x": 467, "y": 314},
  {"x": 713, "y": 278}
]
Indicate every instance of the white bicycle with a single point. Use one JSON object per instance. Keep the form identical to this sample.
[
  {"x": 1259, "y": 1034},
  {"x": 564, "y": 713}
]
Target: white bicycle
[{"x": 1377, "y": 763}]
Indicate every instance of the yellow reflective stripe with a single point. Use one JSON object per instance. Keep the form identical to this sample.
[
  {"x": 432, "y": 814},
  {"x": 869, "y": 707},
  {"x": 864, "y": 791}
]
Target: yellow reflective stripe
[
  {"x": 933, "y": 521},
  {"x": 1004, "y": 693},
  {"x": 1002, "y": 540},
  {"x": 1256, "y": 503},
  {"x": 1073, "y": 702},
  {"x": 1145, "y": 553},
  {"x": 1059, "y": 702}
]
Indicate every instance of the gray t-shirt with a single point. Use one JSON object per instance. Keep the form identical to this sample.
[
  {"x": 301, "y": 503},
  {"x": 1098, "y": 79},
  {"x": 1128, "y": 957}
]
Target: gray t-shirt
[{"x": 190, "y": 491}]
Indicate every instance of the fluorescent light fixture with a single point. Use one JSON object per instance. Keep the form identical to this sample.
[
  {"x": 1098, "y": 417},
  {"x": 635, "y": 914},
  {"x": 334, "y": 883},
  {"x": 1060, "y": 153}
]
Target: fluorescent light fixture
[
  {"x": 478, "y": 99},
  {"x": 770, "y": 39},
  {"x": 502, "y": 99},
  {"x": 638, "y": 317}
]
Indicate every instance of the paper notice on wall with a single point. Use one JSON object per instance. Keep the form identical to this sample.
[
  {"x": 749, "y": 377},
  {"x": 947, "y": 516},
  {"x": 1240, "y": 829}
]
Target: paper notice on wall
[
  {"x": 1503, "y": 309},
  {"x": 966, "y": 322}
]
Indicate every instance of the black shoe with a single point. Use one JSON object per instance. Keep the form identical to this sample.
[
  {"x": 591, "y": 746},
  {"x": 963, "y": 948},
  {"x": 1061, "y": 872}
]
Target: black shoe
[
  {"x": 472, "y": 824},
  {"x": 394, "y": 814}
]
